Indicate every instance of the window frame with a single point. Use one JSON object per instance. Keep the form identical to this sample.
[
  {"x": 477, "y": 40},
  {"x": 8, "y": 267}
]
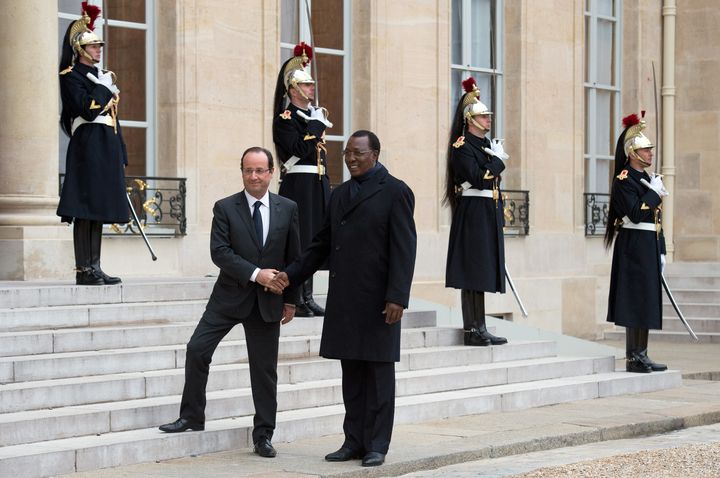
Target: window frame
[
  {"x": 466, "y": 69},
  {"x": 591, "y": 88},
  {"x": 304, "y": 35}
]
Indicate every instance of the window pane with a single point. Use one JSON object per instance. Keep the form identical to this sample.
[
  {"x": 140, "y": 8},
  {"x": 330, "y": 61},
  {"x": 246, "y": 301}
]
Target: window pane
[
  {"x": 135, "y": 142},
  {"x": 587, "y": 134},
  {"x": 605, "y": 52},
  {"x": 335, "y": 162},
  {"x": 330, "y": 89},
  {"x": 603, "y": 122},
  {"x": 70, "y": 6},
  {"x": 327, "y": 23},
  {"x": 587, "y": 50},
  {"x": 127, "y": 10},
  {"x": 480, "y": 41},
  {"x": 456, "y": 33},
  {"x": 456, "y": 89},
  {"x": 125, "y": 55},
  {"x": 289, "y": 22},
  {"x": 604, "y": 7},
  {"x": 603, "y": 173}
]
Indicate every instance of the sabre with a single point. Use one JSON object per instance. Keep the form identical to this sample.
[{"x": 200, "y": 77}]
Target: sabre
[
  {"x": 677, "y": 309},
  {"x": 137, "y": 221},
  {"x": 515, "y": 293}
]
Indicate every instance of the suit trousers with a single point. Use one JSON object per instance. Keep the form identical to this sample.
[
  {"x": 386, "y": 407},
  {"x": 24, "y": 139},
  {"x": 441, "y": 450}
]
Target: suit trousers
[
  {"x": 369, "y": 397},
  {"x": 262, "y": 346}
]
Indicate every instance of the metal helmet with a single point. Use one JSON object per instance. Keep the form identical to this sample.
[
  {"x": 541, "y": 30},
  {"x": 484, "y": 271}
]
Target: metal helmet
[
  {"x": 81, "y": 31},
  {"x": 294, "y": 72},
  {"x": 471, "y": 104},
  {"x": 634, "y": 137}
]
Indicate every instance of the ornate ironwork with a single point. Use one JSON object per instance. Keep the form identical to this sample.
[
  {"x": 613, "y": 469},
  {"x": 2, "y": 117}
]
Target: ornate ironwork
[
  {"x": 516, "y": 210},
  {"x": 159, "y": 203},
  {"x": 597, "y": 207}
]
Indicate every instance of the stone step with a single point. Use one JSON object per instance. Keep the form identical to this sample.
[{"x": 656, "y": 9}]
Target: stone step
[
  {"x": 693, "y": 281},
  {"x": 78, "y": 364},
  {"x": 115, "y": 337},
  {"x": 693, "y": 268},
  {"x": 123, "y": 448},
  {"x": 699, "y": 325},
  {"x": 671, "y": 336},
  {"x": 33, "y": 426},
  {"x": 693, "y": 310},
  {"x": 85, "y": 390},
  {"x": 38, "y": 294},
  {"x": 698, "y": 296}
]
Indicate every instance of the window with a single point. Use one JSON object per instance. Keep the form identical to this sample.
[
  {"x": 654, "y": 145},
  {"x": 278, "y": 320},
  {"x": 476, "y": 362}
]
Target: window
[
  {"x": 602, "y": 91},
  {"x": 476, "y": 37},
  {"x": 330, "y": 39},
  {"x": 126, "y": 26}
]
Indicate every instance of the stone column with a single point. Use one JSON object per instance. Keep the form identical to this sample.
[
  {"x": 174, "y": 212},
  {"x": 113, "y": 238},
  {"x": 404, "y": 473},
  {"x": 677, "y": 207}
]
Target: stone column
[{"x": 30, "y": 232}]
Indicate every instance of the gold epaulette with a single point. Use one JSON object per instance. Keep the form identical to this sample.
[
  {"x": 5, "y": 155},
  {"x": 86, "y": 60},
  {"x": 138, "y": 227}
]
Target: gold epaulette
[
  {"x": 286, "y": 115},
  {"x": 66, "y": 70},
  {"x": 623, "y": 174},
  {"x": 459, "y": 142}
]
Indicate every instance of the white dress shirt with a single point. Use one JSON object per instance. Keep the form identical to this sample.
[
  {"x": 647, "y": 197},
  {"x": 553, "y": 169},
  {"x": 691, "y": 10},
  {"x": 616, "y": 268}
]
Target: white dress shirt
[{"x": 265, "y": 214}]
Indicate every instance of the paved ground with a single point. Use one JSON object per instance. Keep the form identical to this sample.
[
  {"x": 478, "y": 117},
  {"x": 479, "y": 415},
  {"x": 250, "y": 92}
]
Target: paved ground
[{"x": 500, "y": 444}]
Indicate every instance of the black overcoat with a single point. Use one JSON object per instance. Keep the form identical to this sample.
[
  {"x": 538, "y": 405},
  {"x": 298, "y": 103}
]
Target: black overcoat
[
  {"x": 370, "y": 242},
  {"x": 294, "y": 136},
  {"x": 94, "y": 186},
  {"x": 635, "y": 298},
  {"x": 476, "y": 249}
]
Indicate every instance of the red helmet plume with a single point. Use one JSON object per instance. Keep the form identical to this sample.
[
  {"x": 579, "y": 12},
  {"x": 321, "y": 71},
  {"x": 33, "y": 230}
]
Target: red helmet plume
[
  {"x": 630, "y": 120},
  {"x": 301, "y": 48},
  {"x": 92, "y": 11},
  {"x": 469, "y": 85}
]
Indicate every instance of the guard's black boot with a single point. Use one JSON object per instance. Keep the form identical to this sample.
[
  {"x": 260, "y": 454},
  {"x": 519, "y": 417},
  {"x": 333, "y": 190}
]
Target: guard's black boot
[
  {"x": 634, "y": 360},
  {"x": 643, "y": 344},
  {"x": 302, "y": 310},
  {"x": 95, "y": 243},
  {"x": 308, "y": 299},
  {"x": 84, "y": 273},
  {"x": 494, "y": 339},
  {"x": 473, "y": 337}
]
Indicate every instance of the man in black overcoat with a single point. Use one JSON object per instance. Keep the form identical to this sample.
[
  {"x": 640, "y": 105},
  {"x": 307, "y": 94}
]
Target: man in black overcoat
[
  {"x": 254, "y": 234},
  {"x": 635, "y": 297},
  {"x": 370, "y": 241},
  {"x": 299, "y": 137},
  {"x": 93, "y": 192}
]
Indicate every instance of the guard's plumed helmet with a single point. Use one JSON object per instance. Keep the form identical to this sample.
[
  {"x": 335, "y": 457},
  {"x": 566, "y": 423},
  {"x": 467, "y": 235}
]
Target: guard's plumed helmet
[
  {"x": 81, "y": 31},
  {"x": 471, "y": 101},
  {"x": 294, "y": 72},
  {"x": 634, "y": 137}
]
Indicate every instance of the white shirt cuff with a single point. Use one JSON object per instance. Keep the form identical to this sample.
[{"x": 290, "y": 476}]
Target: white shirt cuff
[{"x": 254, "y": 274}]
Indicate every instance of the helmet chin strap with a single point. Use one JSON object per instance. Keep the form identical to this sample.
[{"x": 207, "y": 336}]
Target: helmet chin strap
[
  {"x": 640, "y": 160},
  {"x": 469, "y": 118},
  {"x": 294, "y": 84}
]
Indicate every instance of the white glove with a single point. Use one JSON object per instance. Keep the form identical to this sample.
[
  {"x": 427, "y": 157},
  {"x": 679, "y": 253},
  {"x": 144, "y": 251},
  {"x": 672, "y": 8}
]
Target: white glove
[
  {"x": 105, "y": 79},
  {"x": 316, "y": 114},
  {"x": 656, "y": 185},
  {"x": 496, "y": 149},
  {"x": 662, "y": 263}
]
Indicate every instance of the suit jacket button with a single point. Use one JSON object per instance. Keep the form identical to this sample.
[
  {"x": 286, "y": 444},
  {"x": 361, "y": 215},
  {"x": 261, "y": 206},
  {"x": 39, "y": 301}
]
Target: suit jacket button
[
  {"x": 337, "y": 248},
  {"x": 332, "y": 274},
  {"x": 342, "y": 223}
]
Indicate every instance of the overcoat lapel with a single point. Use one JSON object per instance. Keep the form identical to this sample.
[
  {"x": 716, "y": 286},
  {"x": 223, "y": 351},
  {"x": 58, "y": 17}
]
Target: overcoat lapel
[
  {"x": 373, "y": 186},
  {"x": 275, "y": 214}
]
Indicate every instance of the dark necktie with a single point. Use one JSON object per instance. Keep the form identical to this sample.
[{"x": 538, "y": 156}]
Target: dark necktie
[{"x": 257, "y": 219}]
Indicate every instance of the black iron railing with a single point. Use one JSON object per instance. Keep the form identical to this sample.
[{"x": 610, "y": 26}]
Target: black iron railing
[
  {"x": 597, "y": 207},
  {"x": 517, "y": 212},
  {"x": 159, "y": 203}
]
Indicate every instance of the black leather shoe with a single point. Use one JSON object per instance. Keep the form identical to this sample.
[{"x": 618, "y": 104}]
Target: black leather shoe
[
  {"x": 109, "y": 280},
  {"x": 302, "y": 310},
  {"x": 264, "y": 448},
  {"x": 636, "y": 365},
  {"x": 314, "y": 307},
  {"x": 654, "y": 366},
  {"x": 343, "y": 454},
  {"x": 180, "y": 425},
  {"x": 88, "y": 277},
  {"x": 494, "y": 339},
  {"x": 473, "y": 337},
  {"x": 373, "y": 458}
]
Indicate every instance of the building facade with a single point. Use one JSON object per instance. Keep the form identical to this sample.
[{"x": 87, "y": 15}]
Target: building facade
[{"x": 197, "y": 80}]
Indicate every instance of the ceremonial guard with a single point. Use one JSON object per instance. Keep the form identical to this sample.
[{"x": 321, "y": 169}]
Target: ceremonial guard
[
  {"x": 299, "y": 136},
  {"x": 635, "y": 300},
  {"x": 93, "y": 192},
  {"x": 476, "y": 250}
]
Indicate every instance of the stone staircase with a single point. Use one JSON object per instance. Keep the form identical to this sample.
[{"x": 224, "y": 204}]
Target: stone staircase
[
  {"x": 696, "y": 288},
  {"x": 88, "y": 373}
]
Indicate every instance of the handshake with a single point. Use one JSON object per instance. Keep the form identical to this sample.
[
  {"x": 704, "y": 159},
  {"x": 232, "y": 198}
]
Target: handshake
[{"x": 273, "y": 280}]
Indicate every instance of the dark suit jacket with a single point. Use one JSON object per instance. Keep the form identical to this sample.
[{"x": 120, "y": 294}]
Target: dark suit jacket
[
  {"x": 370, "y": 242},
  {"x": 234, "y": 248}
]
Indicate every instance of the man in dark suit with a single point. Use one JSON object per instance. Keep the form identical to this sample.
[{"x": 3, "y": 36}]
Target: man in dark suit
[
  {"x": 369, "y": 240},
  {"x": 254, "y": 233}
]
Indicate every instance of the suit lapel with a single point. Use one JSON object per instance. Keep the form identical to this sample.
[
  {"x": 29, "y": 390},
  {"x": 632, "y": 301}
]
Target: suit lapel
[{"x": 244, "y": 211}]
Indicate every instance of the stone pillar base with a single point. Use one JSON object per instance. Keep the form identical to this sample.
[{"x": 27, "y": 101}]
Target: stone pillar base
[{"x": 36, "y": 253}]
